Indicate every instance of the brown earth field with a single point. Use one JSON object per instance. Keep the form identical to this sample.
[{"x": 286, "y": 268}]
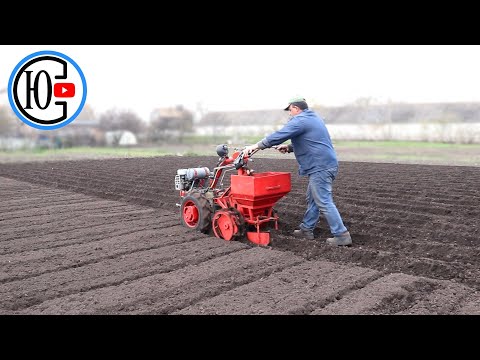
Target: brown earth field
[{"x": 105, "y": 237}]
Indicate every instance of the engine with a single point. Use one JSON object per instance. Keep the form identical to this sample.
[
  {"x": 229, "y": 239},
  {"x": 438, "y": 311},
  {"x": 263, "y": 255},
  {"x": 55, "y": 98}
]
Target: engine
[{"x": 185, "y": 178}]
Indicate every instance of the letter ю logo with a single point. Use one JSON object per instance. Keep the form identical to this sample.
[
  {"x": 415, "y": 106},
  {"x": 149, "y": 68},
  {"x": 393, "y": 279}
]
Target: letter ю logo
[{"x": 47, "y": 90}]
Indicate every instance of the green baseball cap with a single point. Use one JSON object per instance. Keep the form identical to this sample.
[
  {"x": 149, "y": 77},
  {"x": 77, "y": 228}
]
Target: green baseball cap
[{"x": 294, "y": 100}]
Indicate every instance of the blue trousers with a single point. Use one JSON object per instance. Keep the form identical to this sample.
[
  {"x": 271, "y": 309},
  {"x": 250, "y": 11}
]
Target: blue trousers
[{"x": 320, "y": 201}]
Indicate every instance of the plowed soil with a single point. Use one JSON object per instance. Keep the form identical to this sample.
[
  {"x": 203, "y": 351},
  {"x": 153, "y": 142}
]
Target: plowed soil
[{"x": 104, "y": 237}]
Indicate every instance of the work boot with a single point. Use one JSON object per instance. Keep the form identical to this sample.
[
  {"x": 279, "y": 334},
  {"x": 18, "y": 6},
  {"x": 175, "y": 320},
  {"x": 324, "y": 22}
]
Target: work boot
[
  {"x": 303, "y": 234},
  {"x": 341, "y": 240}
]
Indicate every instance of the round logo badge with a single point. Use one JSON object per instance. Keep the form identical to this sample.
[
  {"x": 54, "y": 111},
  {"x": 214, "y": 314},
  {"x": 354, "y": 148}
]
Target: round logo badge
[{"x": 47, "y": 90}]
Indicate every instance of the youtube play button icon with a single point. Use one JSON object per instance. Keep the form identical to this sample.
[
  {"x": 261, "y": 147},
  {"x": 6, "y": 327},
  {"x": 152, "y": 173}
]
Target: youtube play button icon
[{"x": 64, "y": 90}]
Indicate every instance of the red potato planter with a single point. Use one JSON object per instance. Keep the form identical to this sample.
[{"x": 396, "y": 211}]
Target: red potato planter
[{"x": 246, "y": 207}]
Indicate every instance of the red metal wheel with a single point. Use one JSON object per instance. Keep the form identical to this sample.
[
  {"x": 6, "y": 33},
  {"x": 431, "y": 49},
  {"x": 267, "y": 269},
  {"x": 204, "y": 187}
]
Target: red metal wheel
[
  {"x": 225, "y": 224},
  {"x": 190, "y": 214},
  {"x": 196, "y": 213}
]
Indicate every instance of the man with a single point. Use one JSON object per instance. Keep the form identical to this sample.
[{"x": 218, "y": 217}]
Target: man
[{"x": 313, "y": 149}]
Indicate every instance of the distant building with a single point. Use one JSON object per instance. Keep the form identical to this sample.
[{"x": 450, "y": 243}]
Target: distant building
[
  {"x": 244, "y": 123},
  {"x": 443, "y": 122},
  {"x": 169, "y": 113},
  {"x": 170, "y": 124},
  {"x": 80, "y": 133}
]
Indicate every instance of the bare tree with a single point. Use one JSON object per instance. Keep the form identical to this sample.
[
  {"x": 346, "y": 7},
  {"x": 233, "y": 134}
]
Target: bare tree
[
  {"x": 87, "y": 114},
  {"x": 9, "y": 124},
  {"x": 170, "y": 124},
  {"x": 122, "y": 120}
]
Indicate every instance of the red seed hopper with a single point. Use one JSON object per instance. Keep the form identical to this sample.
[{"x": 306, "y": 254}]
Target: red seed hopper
[{"x": 246, "y": 207}]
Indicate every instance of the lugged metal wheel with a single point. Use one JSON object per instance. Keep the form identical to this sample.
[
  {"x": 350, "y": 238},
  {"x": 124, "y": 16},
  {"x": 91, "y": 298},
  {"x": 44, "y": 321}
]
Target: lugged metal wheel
[{"x": 196, "y": 212}]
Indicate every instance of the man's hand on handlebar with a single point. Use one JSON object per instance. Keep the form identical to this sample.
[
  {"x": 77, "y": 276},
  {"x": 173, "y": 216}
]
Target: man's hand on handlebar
[
  {"x": 250, "y": 149},
  {"x": 282, "y": 148}
]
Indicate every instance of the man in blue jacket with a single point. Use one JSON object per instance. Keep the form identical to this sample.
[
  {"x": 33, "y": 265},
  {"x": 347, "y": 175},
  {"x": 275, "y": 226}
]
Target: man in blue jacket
[{"x": 313, "y": 149}]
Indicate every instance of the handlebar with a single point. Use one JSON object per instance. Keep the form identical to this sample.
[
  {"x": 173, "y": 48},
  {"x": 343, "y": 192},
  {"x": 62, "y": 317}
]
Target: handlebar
[
  {"x": 242, "y": 156},
  {"x": 250, "y": 154}
]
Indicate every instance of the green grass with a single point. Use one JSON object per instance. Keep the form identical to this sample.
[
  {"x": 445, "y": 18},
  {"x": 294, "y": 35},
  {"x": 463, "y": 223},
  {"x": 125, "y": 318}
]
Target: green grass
[
  {"x": 365, "y": 151},
  {"x": 409, "y": 152},
  {"x": 403, "y": 144},
  {"x": 131, "y": 152}
]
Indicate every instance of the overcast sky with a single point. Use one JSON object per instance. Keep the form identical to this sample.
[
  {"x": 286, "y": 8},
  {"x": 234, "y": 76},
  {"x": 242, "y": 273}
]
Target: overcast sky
[{"x": 251, "y": 77}]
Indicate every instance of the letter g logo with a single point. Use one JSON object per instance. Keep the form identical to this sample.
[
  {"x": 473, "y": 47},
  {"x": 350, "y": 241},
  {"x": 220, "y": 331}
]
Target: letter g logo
[{"x": 47, "y": 90}]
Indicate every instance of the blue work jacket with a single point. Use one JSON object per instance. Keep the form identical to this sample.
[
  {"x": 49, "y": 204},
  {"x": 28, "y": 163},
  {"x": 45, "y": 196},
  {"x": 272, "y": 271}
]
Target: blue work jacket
[{"x": 310, "y": 139}]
